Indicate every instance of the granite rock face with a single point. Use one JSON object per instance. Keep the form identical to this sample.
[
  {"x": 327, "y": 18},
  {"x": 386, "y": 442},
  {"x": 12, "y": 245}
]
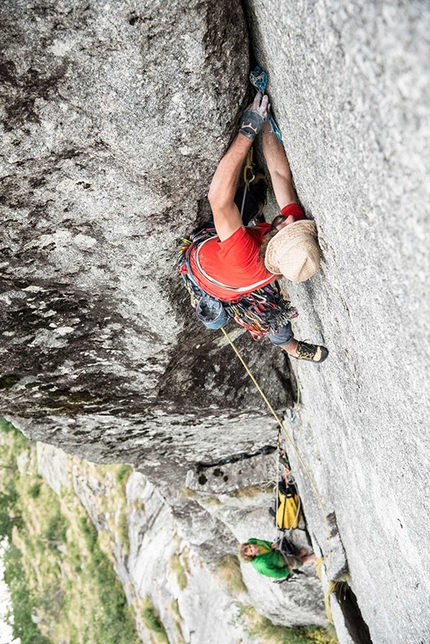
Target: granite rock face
[
  {"x": 114, "y": 117},
  {"x": 350, "y": 84}
]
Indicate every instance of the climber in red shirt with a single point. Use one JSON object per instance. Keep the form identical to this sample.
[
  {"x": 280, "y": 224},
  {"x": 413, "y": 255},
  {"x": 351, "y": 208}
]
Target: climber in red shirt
[
  {"x": 237, "y": 265},
  {"x": 229, "y": 268}
]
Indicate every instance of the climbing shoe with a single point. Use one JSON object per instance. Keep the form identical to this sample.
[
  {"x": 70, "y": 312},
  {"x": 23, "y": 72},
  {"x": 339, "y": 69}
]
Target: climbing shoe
[{"x": 311, "y": 352}]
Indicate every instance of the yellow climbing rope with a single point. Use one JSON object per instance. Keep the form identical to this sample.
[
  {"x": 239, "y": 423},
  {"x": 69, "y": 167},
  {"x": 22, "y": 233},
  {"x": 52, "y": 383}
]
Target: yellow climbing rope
[
  {"x": 332, "y": 587},
  {"x": 290, "y": 440}
]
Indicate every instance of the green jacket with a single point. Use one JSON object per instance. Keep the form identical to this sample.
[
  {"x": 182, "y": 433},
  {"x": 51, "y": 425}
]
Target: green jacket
[{"x": 271, "y": 563}]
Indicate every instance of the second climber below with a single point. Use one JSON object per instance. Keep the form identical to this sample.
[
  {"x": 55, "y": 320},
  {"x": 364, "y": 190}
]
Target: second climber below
[
  {"x": 239, "y": 264},
  {"x": 268, "y": 558}
]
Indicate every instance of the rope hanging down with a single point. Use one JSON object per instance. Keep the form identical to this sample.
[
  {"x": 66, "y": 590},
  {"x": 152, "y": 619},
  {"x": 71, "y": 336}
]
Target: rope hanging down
[{"x": 290, "y": 440}]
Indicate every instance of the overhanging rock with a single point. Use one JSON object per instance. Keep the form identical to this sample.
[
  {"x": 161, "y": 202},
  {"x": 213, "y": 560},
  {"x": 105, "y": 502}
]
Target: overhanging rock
[{"x": 114, "y": 118}]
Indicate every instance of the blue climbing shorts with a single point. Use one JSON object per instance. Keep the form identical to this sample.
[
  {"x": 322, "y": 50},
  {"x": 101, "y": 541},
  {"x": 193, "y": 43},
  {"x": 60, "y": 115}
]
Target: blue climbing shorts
[{"x": 284, "y": 335}]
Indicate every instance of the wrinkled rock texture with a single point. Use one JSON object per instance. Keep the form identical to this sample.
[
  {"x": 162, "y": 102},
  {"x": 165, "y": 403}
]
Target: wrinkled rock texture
[
  {"x": 114, "y": 118},
  {"x": 115, "y": 115}
]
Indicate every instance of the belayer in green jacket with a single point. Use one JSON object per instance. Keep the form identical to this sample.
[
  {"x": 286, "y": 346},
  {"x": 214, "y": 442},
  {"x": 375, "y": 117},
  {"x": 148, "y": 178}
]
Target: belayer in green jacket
[{"x": 268, "y": 560}]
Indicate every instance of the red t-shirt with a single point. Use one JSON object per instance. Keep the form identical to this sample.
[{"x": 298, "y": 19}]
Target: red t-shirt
[{"x": 234, "y": 262}]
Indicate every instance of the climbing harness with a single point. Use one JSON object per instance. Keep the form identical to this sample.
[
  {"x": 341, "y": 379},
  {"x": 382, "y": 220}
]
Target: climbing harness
[
  {"x": 233, "y": 289},
  {"x": 258, "y": 78},
  {"x": 265, "y": 310},
  {"x": 287, "y": 548}
]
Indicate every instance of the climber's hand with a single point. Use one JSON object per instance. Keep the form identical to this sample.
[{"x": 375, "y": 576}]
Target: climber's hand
[
  {"x": 260, "y": 104},
  {"x": 254, "y": 116}
]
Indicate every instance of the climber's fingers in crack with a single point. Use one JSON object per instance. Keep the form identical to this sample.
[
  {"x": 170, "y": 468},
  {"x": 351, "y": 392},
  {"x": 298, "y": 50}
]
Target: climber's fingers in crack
[{"x": 260, "y": 105}]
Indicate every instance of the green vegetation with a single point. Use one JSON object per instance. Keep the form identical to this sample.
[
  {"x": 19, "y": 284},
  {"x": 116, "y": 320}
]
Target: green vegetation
[
  {"x": 57, "y": 565},
  {"x": 139, "y": 505},
  {"x": 113, "y": 616},
  {"x": 22, "y": 600},
  {"x": 10, "y": 515},
  {"x": 122, "y": 474},
  {"x": 268, "y": 633},
  {"x": 175, "y": 608},
  {"x": 34, "y": 490},
  {"x": 60, "y": 568},
  {"x": 6, "y": 382},
  {"x": 123, "y": 530},
  {"x": 88, "y": 531},
  {"x": 20, "y": 442},
  {"x": 55, "y": 532},
  {"x": 177, "y": 567},
  {"x": 211, "y": 500},
  {"x": 152, "y": 621},
  {"x": 228, "y": 569}
]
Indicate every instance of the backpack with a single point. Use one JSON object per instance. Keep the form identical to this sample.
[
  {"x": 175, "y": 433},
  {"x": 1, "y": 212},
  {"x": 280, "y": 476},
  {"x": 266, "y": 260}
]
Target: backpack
[{"x": 288, "y": 514}]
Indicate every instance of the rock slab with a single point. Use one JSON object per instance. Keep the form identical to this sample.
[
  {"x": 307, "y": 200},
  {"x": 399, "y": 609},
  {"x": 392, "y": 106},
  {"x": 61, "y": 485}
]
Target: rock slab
[{"x": 350, "y": 85}]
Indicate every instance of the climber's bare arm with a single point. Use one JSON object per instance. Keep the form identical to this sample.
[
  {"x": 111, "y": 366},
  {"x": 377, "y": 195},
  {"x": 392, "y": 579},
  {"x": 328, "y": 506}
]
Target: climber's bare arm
[
  {"x": 227, "y": 217},
  {"x": 223, "y": 188},
  {"x": 279, "y": 169}
]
